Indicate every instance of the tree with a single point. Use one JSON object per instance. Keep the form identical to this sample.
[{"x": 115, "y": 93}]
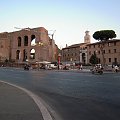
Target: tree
[
  {"x": 6, "y": 60},
  {"x": 103, "y": 36},
  {"x": 93, "y": 59}
]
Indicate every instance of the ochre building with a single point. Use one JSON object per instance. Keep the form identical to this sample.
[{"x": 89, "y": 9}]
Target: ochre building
[
  {"x": 77, "y": 53},
  {"x": 111, "y": 51},
  {"x": 82, "y": 52}
]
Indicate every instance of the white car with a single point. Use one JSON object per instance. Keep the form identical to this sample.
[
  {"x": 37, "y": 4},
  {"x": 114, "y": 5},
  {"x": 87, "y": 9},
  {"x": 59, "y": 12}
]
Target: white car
[{"x": 52, "y": 66}]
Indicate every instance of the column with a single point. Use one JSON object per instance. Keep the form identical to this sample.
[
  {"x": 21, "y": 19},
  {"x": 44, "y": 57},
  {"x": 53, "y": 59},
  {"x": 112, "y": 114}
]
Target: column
[
  {"x": 86, "y": 57},
  {"x": 80, "y": 57}
]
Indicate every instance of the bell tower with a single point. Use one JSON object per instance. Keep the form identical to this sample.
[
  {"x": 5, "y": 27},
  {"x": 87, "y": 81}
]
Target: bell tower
[{"x": 87, "y": 37}]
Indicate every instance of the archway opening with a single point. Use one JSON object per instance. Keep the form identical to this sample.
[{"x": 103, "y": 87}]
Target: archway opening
[
  {"x": 18, "y": 54},
  {"x": 83, "y": 58},
  {"x": 32, "y": 54},
  {"x": 24, "y": 55},
  {"x": 19, "y": 41},
  {"x": 33, "y": 40},
  {"x": 25, "y": 40}
]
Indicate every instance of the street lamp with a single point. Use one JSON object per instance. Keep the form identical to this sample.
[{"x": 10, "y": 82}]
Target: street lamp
[{"x": 59, "y": 55}]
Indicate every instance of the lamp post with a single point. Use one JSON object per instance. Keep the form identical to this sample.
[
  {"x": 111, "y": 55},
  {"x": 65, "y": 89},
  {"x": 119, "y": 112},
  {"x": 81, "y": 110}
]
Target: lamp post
[{"x": 59, "y": 55}]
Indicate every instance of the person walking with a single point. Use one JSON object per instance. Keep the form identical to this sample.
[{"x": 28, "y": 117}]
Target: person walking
[
  {"x": 116, "y": 68},
  {"x": 81, "y": 67}
]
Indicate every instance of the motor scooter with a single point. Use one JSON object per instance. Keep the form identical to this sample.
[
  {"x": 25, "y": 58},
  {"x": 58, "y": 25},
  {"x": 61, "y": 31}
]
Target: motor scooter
[
  {"x": 97, "y": 69},
  {"x": 26, "y": 67}
]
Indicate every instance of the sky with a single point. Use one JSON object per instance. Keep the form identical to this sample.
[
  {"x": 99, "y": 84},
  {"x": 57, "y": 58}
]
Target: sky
[{"x": 70, "y": 18}]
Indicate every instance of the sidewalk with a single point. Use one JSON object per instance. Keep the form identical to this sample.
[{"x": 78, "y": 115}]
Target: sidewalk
[{"x": 17, "y": 105}]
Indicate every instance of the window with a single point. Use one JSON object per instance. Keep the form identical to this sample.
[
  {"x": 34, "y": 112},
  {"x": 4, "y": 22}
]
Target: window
[
  {"x": 109, "y": 44},
  {"x": 25, "y": 40},
  {"x": 98, "y": 52},
  {"x": 109, "y": 60},
  {"x": 24, "y": 55},
  {"x": 98, "y": 45},
  {"x": 1, "y": 46},
  {"x": 89, "y": 52},
  {"x": 19, "y": 41},
  {"x": 114, "y": 43},
  {"x": 109, "y": 51},
  {"x": 18, "y": 54},
  {"x": 32, "y": 54},
  {"x": 114, "y": 50},
  {"x": 33, "y": 40},
  {"x": 104, "y": 51},
  {"x": 115, "y": 59}
]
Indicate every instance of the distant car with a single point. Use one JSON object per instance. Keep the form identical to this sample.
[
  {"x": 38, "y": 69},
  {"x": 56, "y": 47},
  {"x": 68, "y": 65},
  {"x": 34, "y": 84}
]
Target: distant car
[
  {"x": 65, "y": 68},
  {"x": 52, "y": 66}
]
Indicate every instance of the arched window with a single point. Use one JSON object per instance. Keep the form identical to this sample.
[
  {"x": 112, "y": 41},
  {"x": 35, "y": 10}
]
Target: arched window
[
  {"x": 18, "y": 54},
  {"x": 83, "y": 58},
  {"x": 25, "y": 40},
  {"x": 32, "y": 54},
  {"x": 19, "y": 41},
  {"x": 24, "y": 55},
  {"x": 33, "y": 40}
]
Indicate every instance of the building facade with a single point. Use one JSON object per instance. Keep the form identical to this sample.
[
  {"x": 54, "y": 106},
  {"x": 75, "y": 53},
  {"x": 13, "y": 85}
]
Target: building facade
[
  {"x": 78, "y": 52},
  {"x": 32, "y": 45},
  {"x": 107, "y": 52},
  {"x": 71, "y": 53},
  {"x": 4, "y": 46},
  {"x": 111, "y": 51}
]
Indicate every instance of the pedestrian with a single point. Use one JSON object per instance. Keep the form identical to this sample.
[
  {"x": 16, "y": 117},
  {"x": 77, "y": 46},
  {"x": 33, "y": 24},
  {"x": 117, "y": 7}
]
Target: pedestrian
[
  {"x": 81, "y": 67},
  {"x": 116, "y": 68}
]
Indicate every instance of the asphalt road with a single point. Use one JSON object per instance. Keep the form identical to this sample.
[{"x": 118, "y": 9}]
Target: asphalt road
[{"x": 71, "y": 95}]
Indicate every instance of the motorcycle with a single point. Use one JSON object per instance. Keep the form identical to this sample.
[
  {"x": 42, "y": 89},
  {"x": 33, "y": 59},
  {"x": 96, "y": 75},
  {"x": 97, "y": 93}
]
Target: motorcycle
[
  {"x": 97, "y": 69},
  {"x": 26, "y": 67}
]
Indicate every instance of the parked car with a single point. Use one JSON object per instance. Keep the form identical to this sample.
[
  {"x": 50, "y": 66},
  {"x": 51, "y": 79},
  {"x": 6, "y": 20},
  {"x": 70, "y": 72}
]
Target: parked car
[
  {"x": 52, "y": 66},
  {"x": 65, "y": 68}
]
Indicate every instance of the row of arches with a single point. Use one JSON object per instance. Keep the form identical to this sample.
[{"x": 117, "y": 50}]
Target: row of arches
[
  {"x": 26, "y": 41},
  {"x": 25, "y": 54}
]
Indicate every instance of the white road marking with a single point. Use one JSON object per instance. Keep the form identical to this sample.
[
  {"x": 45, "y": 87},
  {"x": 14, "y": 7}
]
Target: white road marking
[{"x": 46, "y": 115}]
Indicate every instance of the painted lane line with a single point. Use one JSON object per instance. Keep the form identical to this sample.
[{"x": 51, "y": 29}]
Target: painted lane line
[{"x": 46, "y": 115}]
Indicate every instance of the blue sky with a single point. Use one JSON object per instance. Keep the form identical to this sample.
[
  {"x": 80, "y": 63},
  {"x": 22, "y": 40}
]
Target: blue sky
[{"x": 70, "y": 18}]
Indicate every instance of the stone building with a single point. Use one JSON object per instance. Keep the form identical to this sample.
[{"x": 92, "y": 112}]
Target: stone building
[
  {"x": 82, "y": 52},
  {"x": 78, "y": 52},
  {"x": 111, "y": 51},
  {"x": 4, "y": 46},
  {"x": 31, "y": 45}
]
